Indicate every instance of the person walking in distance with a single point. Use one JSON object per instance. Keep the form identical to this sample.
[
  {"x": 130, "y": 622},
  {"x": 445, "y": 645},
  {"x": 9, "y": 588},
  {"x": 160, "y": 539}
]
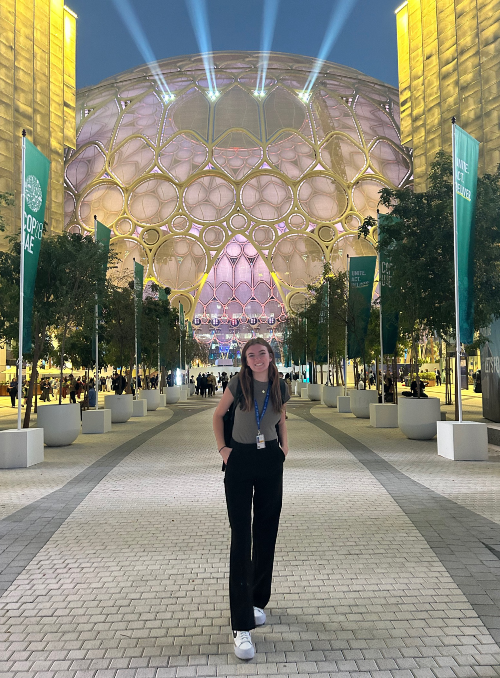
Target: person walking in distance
[{"x": 254, "y": 479}]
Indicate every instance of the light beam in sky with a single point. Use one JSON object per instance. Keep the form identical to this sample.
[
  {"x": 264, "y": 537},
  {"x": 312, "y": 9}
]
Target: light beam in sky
[
  {"x": 339, "y": 16},
  {"x": 269, "y": 15},
  {"x": 131, "y": 21},
  {"x": 199, "y": 20}
]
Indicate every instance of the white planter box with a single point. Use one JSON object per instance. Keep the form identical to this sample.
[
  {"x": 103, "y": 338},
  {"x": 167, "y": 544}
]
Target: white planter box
[
  {"x": 96, "y": 421},
  {"x": 418, "y": 417},
  {"x": 192, "y": 388},
  {"x": 152, "y": 397},
  {"x": 184, "y": 394},
  {"x": 361, "y": 401},
  {"x": 314, "y": 391},
  {"x": 61, "y": 423},
  {"x": 462, "y": 440},
  {"x": 383, "y": 415},
  {"x": 303, "y": 393},
  {"x": 172, "y": 394},
  {"x": 20, "y": 449},
  {"x": 139, "y": 408},
  {"x": 298, "y": 386},
  {"x": 120, "y": 406},
  {"x": 163, "y": 399},
  {"x": 344, "y": 404},
  {"x": 330, "y": 395}
]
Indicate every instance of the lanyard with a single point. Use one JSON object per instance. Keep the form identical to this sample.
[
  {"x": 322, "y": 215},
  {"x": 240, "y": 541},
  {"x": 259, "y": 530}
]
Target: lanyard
[{"x": 260, "y": 416}]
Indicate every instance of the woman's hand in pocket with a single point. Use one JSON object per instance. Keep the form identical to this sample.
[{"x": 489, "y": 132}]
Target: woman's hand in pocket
[{"x": 225, "y": 452}]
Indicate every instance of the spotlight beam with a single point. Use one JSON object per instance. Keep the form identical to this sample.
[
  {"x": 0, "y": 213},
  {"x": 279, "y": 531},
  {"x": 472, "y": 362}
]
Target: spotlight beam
[
  {"x": 269, "y": 15},
  {"x": 131, "y": 21},
  {"x": 199, "y": 19},
  {"x": 339, "y": 16}
]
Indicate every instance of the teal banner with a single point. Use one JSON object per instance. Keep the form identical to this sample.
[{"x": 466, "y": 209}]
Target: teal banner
[
  {"x": 465, "y": 164},
  {"x": 138, "y": 286},
  {"x": 181, "y": 317},
  {"x": 103, "y": 236},
  {"x": 35, "y": 181},
  {"x": 321, "y": 354},
  {"x": 361, "y": 277},
  {"x": 162, "y": 296},
  {"x": 390, "y": 317}
]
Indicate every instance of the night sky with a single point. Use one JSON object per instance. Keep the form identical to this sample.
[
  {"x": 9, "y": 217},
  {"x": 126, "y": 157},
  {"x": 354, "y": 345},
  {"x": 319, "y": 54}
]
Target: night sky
[{"x": 367, "y": 41}]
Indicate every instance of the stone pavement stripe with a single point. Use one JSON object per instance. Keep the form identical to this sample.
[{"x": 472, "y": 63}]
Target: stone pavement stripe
[
  {"x": 464, "y": 541},
  {"x": 24, "y": 533}
]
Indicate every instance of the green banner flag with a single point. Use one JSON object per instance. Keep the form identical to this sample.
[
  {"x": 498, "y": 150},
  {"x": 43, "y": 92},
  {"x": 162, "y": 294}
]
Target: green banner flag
[
  {"x": 361, "y": 277},
  {"x": 103, "y": 236},
  {"x": 390, "y": 317},
  {"x": 465, "y": 164},
  {"x": 321, "y": 354},
  {"x": 35, "y": 180},
  {"x": 162, "y": 296},
  {"x": 189, "y": 329},
  {"x": 138, "y": 286},
  {"x": 181, "y": 316}
]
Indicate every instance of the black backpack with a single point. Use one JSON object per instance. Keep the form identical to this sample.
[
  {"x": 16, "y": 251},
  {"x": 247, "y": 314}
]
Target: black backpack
[{"x": 228, "y": 418}]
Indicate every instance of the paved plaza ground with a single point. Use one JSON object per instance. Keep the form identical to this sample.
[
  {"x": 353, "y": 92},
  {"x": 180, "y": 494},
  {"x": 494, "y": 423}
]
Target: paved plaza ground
[{"x": 114, "y": 555}]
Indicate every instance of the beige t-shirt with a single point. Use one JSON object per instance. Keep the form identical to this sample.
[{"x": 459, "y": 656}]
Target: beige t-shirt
[{"x": 245, "y": 423}]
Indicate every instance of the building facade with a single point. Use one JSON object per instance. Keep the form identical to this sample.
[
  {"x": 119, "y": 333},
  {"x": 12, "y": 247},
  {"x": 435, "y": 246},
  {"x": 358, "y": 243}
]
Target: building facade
[
  {"x": 449, "y": 65},
  {"x": 37, "y": 93},
  {"x": 235, "y": 202}
]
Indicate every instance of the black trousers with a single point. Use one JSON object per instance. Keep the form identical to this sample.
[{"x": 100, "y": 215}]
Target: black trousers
[{"x": 253, "y": 477}]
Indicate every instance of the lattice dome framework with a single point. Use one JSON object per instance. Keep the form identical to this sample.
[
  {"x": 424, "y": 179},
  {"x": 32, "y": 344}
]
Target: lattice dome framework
[{"x": 236, "y": 203}]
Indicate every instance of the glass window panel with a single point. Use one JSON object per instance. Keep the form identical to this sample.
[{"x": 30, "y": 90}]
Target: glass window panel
[
  {"x": 132, "y": 160},
  {"x": 291, "y": 154},
  {"x": 105, "y": 201},
  {"x": 153, "y": 201},
  {"x": 266, "y": 197},
  {"x": 180, "y": 262},
  {"x": 322, "y": 198},
  {"x": 85, "y": 167},
  {"x": 209, "y": 198},
  {"x": 236, "y": 108},
  {"x": 183, "y": 156}
]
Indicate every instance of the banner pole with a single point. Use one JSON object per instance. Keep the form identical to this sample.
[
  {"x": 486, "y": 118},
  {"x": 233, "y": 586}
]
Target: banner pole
[
  {"x": 96, "y": 385},
  {"x": 21, "y": 289},
  {"x": 158, "y": 375},
  {"x": 458, "y": 370},
  {"x": 346, "y": 319}
]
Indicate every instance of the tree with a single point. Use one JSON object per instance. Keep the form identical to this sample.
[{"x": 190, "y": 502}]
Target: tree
[
  {"x": 119, "y": 327},
  {"x": 420, "y": 243},
  {"x": 68, "y": 268},
  {"x": 6, "y": 200}
]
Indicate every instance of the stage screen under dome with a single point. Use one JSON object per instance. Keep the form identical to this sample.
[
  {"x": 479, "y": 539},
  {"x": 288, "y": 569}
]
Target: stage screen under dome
[{"x": 235, "y": 203}]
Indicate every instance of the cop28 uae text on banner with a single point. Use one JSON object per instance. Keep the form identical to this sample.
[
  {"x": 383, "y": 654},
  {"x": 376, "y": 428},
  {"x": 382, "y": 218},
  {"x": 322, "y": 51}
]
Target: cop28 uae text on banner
[
  {"x": 465, "y": 163},
  {"x": 35, "y": 180},
  {"x": 361, "y": 277}
]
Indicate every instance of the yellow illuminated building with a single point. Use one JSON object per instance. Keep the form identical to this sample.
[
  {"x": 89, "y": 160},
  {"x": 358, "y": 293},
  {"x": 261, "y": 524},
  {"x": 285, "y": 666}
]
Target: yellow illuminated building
[
  {"x": 37, "y": 93},
  {"x": 449, "y": 65}
]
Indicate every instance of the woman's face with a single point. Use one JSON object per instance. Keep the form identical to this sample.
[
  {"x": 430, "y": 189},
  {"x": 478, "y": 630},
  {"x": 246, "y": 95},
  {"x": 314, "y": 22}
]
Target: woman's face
[{"x": 258, "y": 360}]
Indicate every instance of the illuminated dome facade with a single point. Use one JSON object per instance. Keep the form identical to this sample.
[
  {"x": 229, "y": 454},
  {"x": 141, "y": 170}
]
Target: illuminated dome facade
[{"x": 235, "y": 203}]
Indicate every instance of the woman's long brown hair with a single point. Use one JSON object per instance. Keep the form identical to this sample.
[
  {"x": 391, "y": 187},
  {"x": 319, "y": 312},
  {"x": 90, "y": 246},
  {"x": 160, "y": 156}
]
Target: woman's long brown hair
[{"x": 246, "y": 378}]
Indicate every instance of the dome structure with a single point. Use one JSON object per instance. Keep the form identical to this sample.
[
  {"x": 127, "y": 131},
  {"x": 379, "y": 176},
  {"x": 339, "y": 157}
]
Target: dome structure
[{"x": 235, "y": 202}]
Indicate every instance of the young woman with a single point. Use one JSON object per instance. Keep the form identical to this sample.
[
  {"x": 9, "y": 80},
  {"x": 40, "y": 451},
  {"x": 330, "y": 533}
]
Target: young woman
[{"x": 254, "y": 475}]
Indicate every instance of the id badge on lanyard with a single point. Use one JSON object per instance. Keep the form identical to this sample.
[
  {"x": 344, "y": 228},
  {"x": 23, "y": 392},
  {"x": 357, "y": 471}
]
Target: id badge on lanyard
[{"x": 259, "y": 439}]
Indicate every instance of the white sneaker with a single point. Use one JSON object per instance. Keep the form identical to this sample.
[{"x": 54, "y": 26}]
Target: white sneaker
[
  {"x": 243, "y": 647},
  {"x": 260, "y": 616}
]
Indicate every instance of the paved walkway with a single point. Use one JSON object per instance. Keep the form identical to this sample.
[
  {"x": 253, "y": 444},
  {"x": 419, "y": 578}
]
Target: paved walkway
[{"x": 114, "y": 554}]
